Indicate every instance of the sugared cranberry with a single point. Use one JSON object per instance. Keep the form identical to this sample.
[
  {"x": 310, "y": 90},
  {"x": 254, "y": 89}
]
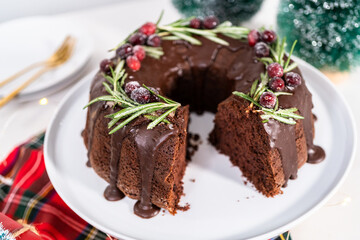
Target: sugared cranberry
[
  {"x": 195, "y": 23},
  {"x": 153, "y": 97},
  {"x": 275, "y": 70},
  {"x": 261, "y": 50},
  {"x": 210, "y": 22},
  {"x": 154, "y": 41},
  {"x": 268, "y": 100},
  {"x": 137, "y": 39},
  {"x": 124, "y": 51},
  {"x": 292, "y": 79},
  {"x": 139, "y": 52},
  {"x": 105, "y": 66},
  {"x": 268, "y": 36},
  {"x": 148, "y": 28},
  {"x": 253, "y": 37},
  {"x": 133, "y": 63},
  {"x": 131, "y": 86},
  {"x": 277, "y": 84},
  {"x": 141, "y": 95}
]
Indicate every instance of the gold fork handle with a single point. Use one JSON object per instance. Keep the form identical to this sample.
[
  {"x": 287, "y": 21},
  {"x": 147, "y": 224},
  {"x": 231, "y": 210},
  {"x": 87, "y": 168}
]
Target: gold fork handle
[
  {"x": 13, "y": 94},
  {"x": 21, "y": 72}
]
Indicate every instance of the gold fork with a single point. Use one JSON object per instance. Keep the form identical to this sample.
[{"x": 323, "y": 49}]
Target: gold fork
[{"x": 60, "y": 56}]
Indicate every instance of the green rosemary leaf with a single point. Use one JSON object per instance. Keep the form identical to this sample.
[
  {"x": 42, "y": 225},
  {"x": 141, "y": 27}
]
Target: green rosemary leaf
[
  {"x": 279, "y": 118},
  {"x": 127, "y": 111},
  {"x": 160, "y": 17},
  {"x": 109, "y": 78},
  {"x": 108, "y": 89},
  {"x": 162, "y": 117},
  {"x": 282, "y": 93},
  {"x": 102, "y": 98},
  {"x": 282, "y": 52},
  {"x": 155, "y": 52},
  {"x": 187, "y": 37},
  {"x": 224, "y": 24},
  {"x": 253, "y": 87},
  {"x": 290, "y": 53},
  {"x": 290, "y": 67},
  {"x": 276, "y": 104},
  {"x": 132, "y": 117},
  {"x": 171, "y": 38},
  {"x": 217, "y": 40},
  {"x": 201, "y": 32},
  {"x": 266, "y": 60},
  {"x": 153, "y": 117},
  {"x": 167, "y": 100},
  {"x": 246, "y": 97},
  {"x": 289, "y": 114},
  {"x": 113, "y": 122}
]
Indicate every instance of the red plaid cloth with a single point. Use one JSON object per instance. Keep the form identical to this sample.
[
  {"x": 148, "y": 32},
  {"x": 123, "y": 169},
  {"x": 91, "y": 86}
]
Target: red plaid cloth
[{"x": 26, "y": 193}]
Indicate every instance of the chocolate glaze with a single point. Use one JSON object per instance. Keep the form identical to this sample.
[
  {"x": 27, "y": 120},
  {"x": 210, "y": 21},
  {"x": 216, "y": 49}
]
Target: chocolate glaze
[
  {"x": 112, "y": 192},
  {"x": 281, "y": 138},
  {"x": 203, "y": 76},
  {"x": 147, "y": 143}
]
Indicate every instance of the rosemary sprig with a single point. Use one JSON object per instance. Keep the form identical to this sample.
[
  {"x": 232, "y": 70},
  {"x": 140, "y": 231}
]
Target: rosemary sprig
[
  {"x": 277, "y": 51},
  {"x": 180, "y": 30},
  {"x": 131, "y": 109},
  {"x": 259, "y": 87}
]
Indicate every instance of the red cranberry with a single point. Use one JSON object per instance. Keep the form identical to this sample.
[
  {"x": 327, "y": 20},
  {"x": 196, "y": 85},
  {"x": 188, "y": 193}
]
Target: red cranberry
[
  {"x": 268, "y": 36},
  {"x": 210, "y": 22},
  {"x": 153, "y": 97},
  {"x": 139, "y": 52},
  {"x": 253, "y": 37},
  {"x": 105, "y": 66},
  {"x": 133, "y": 63},
  {"x": 137, "y": 39},
  {"x": 148, "y": 28},
  {"x": 275, "y": 70},
  {"x": 124, "y": 51},
  {"x": 140, "y": 95},
  {"x": 154, "y": 41},
  {"x": 292, "y": 79},
  {"x": 277, "y": 84},
  {"x": 131, "y": 86},
  {"x": 268, "y": 100},
  {"x": 195, "y": 23},
  {"x": 261, "y": 50}
]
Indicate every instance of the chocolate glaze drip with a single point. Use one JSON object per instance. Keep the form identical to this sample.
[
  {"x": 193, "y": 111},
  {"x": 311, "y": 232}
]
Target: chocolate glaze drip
[
  {"x": 147, "y": 142},
  {"x": 112, "y": 192},
  {"x": 281, "y": 138}
]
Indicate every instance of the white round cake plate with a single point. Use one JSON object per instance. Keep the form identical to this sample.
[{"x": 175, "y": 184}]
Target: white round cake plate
[
  {"x": 222, "y": 205},
  {"x": 30, "y": 40}
]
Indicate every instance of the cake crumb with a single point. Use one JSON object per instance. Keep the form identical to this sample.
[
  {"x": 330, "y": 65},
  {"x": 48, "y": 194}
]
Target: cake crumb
[
  {"x": 184, "y": 208},
  {"x": 193, "y": 142},
  {"x": 245, "y": 182},
  {"x": 192, "y": 179}
]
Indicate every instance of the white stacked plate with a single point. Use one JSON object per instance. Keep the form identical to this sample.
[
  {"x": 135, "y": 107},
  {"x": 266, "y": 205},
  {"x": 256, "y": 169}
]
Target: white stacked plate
[{"x": 30, "y": 40}]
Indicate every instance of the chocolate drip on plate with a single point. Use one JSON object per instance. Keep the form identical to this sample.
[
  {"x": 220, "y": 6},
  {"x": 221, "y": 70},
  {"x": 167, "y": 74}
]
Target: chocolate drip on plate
[
  {"x": 147, "y": 142},
  {"x": 112, "y": 192}
]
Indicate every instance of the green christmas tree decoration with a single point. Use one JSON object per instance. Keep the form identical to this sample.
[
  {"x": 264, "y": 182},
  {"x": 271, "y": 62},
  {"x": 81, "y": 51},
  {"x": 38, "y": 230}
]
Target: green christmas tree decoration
[
  {"x": 235, "y": 11},
  {"x": 328, "y": 31}
]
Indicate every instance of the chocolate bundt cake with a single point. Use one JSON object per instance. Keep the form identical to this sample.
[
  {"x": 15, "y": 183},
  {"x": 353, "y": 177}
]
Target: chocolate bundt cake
[{"x": 136, "y": 137}]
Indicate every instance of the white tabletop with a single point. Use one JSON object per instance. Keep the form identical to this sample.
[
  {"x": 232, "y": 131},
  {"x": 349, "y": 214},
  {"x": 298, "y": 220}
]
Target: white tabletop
[{"x": 338, "y": 219}]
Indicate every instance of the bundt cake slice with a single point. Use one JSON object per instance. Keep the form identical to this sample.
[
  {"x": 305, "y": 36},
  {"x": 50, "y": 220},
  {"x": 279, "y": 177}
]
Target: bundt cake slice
[{"x": 240, "y": 133}]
